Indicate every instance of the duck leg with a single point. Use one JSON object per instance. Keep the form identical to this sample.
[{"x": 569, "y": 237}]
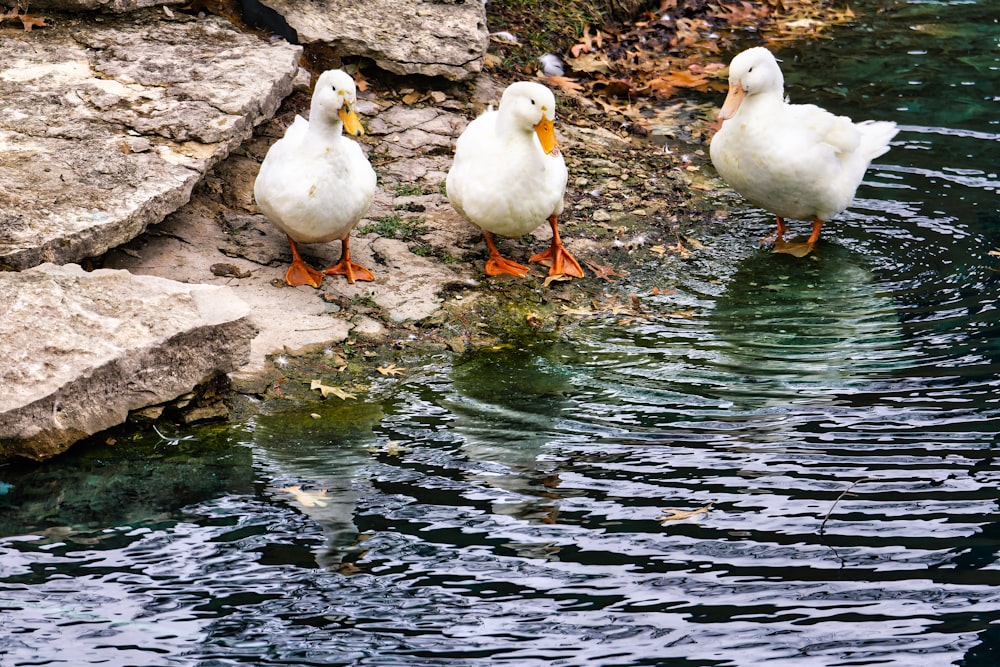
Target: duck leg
[
  {"x": 800, "y": 248},
  {"x": 557, "y": 257},
  {"x": 778, "y": 236},
  {"x": 498, "y": 264},
  {"x": 300, "y": 273},
  {"x": 345, "y": 267}
]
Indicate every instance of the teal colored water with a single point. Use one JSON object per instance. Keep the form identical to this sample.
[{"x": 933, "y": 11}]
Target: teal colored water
[{"x": 838, "y": 417}]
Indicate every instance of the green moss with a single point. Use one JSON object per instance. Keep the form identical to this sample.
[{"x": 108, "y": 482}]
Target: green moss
[{"x": 396, "y": 227}]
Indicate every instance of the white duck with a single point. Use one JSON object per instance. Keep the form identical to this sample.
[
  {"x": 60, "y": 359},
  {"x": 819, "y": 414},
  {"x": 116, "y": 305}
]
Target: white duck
[
  {"x": 795, "y": 160},
  {"x": 508, "y": 176},
  {"x": 315, "y": 184}
]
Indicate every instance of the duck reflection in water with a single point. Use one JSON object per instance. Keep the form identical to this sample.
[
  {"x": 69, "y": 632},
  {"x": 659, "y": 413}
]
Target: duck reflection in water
[
  {"x": 317, "y": 454},
  {"x": 811, "y": 331},
  {"x": 509, "y": 399}
]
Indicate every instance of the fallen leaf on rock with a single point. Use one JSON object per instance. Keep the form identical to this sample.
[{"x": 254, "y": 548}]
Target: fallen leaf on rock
[
  {"x": 391, "y": 369},
  {"x": 307, "y": 498},
  {"x": 680, "y": 515},
  {"x": 30, "y": 22},
  {"x": 560, "y": 277},
  {"x": 565, "y": 84},
  {"x": 604, "y": 271},
  {"x": 412, "y": 98},
  {"x": 590, "y": 62},
  {"x": 326, "y": 390}
]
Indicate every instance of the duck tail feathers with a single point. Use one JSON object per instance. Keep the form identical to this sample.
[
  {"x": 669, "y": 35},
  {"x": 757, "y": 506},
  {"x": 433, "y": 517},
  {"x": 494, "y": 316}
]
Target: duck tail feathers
[{"x": 875, "y": 137}]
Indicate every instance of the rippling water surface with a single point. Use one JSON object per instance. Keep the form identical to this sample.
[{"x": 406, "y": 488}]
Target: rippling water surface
[{"x": 826, "y": 427}]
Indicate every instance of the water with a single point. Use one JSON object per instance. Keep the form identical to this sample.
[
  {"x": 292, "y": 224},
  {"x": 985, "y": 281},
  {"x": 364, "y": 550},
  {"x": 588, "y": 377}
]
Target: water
[{"x": 835, "y": 418}]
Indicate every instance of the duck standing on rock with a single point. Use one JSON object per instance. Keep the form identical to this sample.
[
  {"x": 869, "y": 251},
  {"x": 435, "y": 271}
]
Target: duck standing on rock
[
  {"x": 795, "y": 160},
  {"x": 315, "y": 184},
  {"x": 508, "y": 176}
]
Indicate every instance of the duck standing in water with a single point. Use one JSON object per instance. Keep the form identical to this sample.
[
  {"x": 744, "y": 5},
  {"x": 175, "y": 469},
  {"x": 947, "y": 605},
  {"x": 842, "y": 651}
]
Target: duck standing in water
[
  {"x": 508, "y": 176},
  {"x": 315, "y": 184},
  {"x": 795, "y": 160}
]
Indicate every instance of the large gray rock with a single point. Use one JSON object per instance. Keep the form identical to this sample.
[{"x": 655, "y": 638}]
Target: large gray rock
[
  {"x": 108, "y": 124},
  {"x": 81, "y": 350},
  {"x": 431, "y": 37},
  {"x": 114, "y": 6}
]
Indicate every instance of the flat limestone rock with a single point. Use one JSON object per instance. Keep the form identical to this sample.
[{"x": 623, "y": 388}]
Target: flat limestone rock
[
  {"x": 446, "y": 38},
  {"x": 112, "y": 6},
  {"x": 81, "y": 350},
  {"x": 109, "y": 122}
]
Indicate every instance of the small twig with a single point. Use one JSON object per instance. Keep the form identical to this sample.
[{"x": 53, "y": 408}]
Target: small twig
[{"x": 822, "y": 526}]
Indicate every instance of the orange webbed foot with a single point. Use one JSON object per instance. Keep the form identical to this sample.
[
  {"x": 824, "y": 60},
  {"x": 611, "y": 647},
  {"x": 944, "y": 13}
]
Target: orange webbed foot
[
  {"x": 497, "y": 265},
  {"x": 559, "y": 261},
  {"x": 345, "y": 267},
  {"x": 300, "y": 273},
  {"x": 557, "y": 257}
]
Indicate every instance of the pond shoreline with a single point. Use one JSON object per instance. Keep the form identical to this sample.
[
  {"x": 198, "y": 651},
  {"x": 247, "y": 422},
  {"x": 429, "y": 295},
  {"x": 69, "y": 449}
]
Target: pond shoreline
[{"x": 631, "y": 197}]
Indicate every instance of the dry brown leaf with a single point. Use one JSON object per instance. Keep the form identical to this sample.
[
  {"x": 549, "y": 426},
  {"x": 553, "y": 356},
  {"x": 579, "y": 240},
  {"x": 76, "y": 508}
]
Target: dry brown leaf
[
  {"x": 995, "y": 253},
  {"x": 604, "y": 271},
  {"x": 565, "y": 84},
  {"x": 29, "y": 22},
  {"x": 680, "y": 515},
  {"x": 559, "y": 277},
  {"x": 391, "y": 369},
  {"x": 591, "y": 63},
  {"x": 412, "y": 98},
  {"x": 308, "y": 498},
  {"x": 326, "y": 390}
]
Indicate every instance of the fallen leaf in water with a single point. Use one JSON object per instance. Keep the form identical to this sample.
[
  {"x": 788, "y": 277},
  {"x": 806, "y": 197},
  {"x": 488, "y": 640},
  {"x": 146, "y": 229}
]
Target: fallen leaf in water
[
  {"x": 326, "y": 390},
  {"x": 680, "y": 249},
  {"x": 995, "y": 253},
  {"x": 578, "y": 311},
  {"x": 658, "y": 249},
  {"x": 307, "y": 498},
  {"x": 391, "y": 369},
  {"x": 680, "y": 515},
  {"x": 694, "y": 243}
]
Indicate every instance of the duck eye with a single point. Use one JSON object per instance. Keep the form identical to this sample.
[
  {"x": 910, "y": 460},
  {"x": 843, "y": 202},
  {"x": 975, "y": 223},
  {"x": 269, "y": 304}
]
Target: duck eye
[{"x": 532, "y": 102}]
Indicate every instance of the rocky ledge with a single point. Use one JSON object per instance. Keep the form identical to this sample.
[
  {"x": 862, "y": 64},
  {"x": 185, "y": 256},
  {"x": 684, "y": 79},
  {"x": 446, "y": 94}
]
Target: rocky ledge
[{"x": 129, "y": 143}]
